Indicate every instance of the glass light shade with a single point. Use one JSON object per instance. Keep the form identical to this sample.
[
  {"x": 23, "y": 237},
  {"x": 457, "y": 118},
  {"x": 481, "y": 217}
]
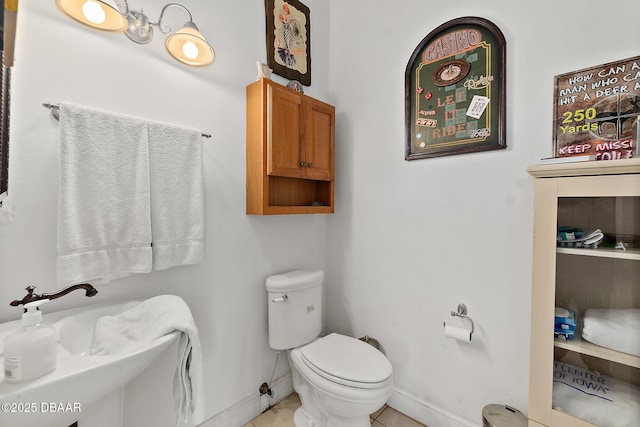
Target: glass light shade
[
  {"x": 190, "y": 47},
  {"x": 104, "y": 16}
]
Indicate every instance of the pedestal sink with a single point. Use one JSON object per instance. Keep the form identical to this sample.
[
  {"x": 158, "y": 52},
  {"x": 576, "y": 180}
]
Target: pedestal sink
[{"x": 80, "y": 379}]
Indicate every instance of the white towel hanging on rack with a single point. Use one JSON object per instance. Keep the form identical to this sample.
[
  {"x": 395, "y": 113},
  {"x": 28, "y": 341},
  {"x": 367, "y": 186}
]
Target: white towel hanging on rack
[
  {"x": 177, "y": 195},
  {"x": 131, "y": 196},
  {"x": 104, "y": 227}
]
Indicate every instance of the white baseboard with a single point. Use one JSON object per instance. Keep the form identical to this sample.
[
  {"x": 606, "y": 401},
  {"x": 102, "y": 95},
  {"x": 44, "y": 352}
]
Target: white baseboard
[
  {"x": 425, "y": 412},
  {"x": 248, "y": 408}
]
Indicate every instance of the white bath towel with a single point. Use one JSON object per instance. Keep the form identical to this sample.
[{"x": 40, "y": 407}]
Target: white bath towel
[
  {"x": 617, "y": 329},
  {"x": 177, "y": 195},
  {"x": 104, "y": 228},
  {"x": 148, "y": 321}
]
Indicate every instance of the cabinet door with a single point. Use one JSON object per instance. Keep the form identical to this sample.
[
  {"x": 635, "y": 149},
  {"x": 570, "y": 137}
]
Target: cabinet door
[
  {"x": 319, "y": 141},
  {"x": 596, "y": 355},
  {"x": 573, "y": 374},
  {"x": 285, "y": 124}
]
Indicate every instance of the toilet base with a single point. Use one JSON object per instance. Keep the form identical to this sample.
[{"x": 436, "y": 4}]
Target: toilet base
[
  {"x": 300, "y": 419},
  {"x": 329, "y": 404},
  {"x": 310, "y": 414}
]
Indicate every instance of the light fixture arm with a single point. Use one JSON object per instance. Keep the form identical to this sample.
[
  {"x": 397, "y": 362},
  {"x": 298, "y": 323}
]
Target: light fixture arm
[
  {"x": 187, "y": 45},
  {"x": 159, "y": 23},
  {"x": 123, "y": 6}
]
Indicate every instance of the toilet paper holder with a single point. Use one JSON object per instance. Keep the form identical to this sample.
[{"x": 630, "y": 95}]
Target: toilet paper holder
[{"x": 462, "y": 312}]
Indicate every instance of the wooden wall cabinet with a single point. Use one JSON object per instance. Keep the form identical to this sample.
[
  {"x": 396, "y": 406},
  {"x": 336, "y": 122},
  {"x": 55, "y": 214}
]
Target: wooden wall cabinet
[
  {"x": 290, "y": 151},
  {"x": 589, "y": 195}
]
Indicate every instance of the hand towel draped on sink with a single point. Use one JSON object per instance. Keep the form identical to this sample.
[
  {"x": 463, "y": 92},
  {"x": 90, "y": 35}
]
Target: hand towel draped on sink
[{"x": 148, "y": 321}]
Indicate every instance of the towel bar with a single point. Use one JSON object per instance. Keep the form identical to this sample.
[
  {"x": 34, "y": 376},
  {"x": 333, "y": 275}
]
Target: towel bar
[{"x": 55, "y": 110}]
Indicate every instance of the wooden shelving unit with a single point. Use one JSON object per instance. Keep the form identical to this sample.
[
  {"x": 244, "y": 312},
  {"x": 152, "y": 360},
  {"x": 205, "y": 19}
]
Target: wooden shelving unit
[
  {"x": 592, "y": 193},
  {"x": 290, "y": 151}
]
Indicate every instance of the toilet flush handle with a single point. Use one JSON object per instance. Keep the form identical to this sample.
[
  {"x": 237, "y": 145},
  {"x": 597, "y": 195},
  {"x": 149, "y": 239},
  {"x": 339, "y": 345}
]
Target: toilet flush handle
[{"x": 283, "y": 298}]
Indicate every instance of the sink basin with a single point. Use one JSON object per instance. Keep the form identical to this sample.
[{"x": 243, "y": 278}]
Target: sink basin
[{"x": 81, "y": 379}]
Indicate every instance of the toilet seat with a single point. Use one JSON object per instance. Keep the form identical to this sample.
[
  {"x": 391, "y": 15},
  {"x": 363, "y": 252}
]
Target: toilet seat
[{"x": 347, "y": 361}]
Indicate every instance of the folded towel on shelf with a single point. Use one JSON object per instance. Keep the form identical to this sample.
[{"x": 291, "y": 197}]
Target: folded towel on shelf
[
  {"x": 104, "y": 229},
  {"x": 177, "y": 195},
  {"x": 616, "y": 329},
  {"x": 598, "y": 399},
  {"x": 148, "y": 321}
]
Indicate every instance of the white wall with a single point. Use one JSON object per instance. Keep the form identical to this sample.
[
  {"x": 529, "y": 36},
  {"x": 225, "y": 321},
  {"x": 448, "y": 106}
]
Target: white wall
[
  {"x": 408, "y": 241},
  {"x": 59, "y": 60},
  {"x": 411, "y": 240}
]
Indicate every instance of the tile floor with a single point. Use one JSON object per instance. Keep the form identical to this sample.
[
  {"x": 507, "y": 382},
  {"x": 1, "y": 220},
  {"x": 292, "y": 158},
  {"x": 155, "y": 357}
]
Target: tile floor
[{"x": 281, "y": 415}]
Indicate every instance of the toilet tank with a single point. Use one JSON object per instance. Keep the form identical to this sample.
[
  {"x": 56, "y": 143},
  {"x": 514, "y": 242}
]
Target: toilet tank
[{"x": 295, "y": 308}]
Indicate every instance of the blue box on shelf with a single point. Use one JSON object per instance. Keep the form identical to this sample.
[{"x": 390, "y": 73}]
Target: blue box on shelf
[{"x": 564, "y": 324}]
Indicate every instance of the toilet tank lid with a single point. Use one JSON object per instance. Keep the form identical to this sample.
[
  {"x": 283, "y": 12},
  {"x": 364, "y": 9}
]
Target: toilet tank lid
[{"x": 294, "y": 280}]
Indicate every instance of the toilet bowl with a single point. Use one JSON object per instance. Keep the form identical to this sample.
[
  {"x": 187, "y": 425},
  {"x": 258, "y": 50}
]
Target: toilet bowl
[{"x": 340, "y": 380}]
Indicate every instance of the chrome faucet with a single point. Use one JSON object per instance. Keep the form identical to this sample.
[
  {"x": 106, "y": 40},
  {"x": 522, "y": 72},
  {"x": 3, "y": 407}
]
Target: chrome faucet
[{"x": 30, "y": 297}]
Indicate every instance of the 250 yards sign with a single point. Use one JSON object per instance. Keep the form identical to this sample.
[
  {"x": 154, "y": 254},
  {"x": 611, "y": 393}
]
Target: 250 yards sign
[{"x": 596, "y": 111}]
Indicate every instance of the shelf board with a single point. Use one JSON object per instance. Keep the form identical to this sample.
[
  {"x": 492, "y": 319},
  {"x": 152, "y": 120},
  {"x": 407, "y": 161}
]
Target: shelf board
[
  {"x": 633, "y": 254},
  {"x": 284, "y": 210},
  {"x": 603, "y": 167},
  {"x": 579, "y": 345}
]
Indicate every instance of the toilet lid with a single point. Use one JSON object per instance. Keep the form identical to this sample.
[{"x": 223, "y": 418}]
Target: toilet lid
[{"x": 340, "y": 357}]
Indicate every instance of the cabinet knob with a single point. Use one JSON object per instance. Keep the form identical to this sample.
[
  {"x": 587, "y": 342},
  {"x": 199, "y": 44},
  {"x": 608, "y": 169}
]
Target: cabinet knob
[
  {"x": 302, "y": 164},
  {"x": 310, "y": 165}
]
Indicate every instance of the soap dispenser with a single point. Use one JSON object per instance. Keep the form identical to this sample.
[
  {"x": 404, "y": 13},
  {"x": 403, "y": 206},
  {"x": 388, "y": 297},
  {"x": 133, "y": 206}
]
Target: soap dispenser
[{"x": 31, "y": 351}]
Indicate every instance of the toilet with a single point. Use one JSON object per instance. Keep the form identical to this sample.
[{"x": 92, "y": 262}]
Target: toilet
[{"x": 340, "y": 380}]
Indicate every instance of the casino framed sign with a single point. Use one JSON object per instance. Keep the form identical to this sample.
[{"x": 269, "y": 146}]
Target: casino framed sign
[{"x": 455, "y": 90}]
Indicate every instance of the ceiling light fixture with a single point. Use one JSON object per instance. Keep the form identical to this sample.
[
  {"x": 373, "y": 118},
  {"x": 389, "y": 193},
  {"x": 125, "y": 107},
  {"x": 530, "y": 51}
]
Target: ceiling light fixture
[{"x": 186, "y": 45}]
